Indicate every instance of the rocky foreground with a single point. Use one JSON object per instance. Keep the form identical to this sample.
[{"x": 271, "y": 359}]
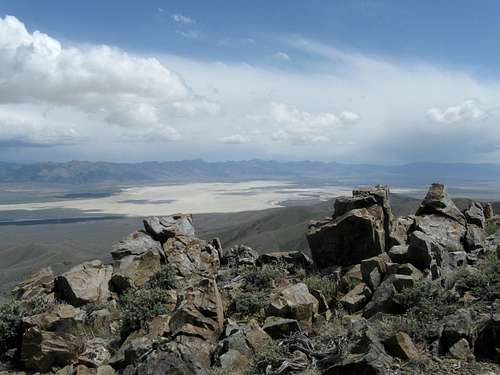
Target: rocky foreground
[{"x": 412, "y": 295}]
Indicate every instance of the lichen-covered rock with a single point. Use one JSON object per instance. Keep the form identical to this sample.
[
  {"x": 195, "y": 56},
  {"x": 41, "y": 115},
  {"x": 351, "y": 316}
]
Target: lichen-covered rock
[
  {"x": 161, "y": 228},
  {"x": 136, "y": 244},
  {"x": 278, "y": 327},
  {"x": 356, "y": 298},
  {"x": 41, "y": 349},
  {"x": 292, "y": 259},
  {"x": 400, "y": 345},
  {"x": 293, "y": 302},
  {"x": 437, "y": 202},
  {"x": 39, "y": 284},
  {"x": 85, "y": 283},
  {"x": 374, "y": 269},
  {"x": 58, "y": 318},
  {"x": 240, "y": 255},
  {"x": 134, "y": 271}
]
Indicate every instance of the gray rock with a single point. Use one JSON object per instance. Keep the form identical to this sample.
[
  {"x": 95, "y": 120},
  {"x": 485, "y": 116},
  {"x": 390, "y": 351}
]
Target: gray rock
[
  {"x": 475, "y": 215},
  {"x": 374, "y": 269},
  {"x": 85, "y": 283},
  {"x": 461, "y": 350},
  {"x": 439, "y": 203},
  {"x": 278, "y": 327},
  {"x": 161, "y": 228},
  {"x": 95, "y": 353},
  {"x": 134, "y": 271},
  {"x": 39, "y": 284},
  {"x": 400, "y": 345},
  {"x": 399, "y": 253},
  {"x": 41, "y": 349},
  {"x": 293, "y": 302},
  {"x": 136, "y": 243},
  {"x": 356, "y": 298},
  {"x": 475, "y": 237},
  {"x": 292, "y": 259},
  {"x": 457, "y": 326},
  {"x": 58, "y": 318},
  {"x": 400, "y": 229},
  {"x": 420, "y": 250}
]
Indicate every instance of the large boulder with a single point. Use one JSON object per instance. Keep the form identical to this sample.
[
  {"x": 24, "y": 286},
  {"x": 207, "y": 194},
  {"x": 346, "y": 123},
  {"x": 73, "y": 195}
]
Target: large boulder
[
  {"x": 293, "y": 302},
  {"x": 58, "y": 318},
  {"x": 161, "y": 228},
  {"x": 288, "y": 259},
  {"x": 135, "y": 244},
  {"x": 240, "y": 255},
  {"x": 437, "y": 202},
  {"x": 475, "y": 215},
  {"x": 39, "y": 284},
  {"x": 41, "y": 349},
  {"x": 85, "y": 283},
  {"x": 348, "y": 239},
  {"x": 134, "y": 271},
  {"x": 191, "y": 256}
]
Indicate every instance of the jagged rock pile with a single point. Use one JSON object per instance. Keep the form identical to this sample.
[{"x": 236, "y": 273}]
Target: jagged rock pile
[{"x": 171, "y": 303}]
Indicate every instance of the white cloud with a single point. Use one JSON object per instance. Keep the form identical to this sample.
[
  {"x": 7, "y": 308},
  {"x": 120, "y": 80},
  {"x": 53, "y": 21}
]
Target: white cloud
[
  {"x": 281, "y": 56},
  {"x": 190, "y": 34},
  {"x": 469, "y": 110},
  {"x": 301, "y": 127},
  {"x": 125, "y": 90},
  {"x": 179, "y": 18},
  {"x": 233, "y": 139}
]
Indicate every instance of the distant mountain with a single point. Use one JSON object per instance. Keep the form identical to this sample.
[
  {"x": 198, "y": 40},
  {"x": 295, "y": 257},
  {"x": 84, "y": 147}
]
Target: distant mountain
[{"x": 83, "y": 172}]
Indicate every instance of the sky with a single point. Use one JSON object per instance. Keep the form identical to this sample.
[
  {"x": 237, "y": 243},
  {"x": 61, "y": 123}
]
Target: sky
[{"x": 353, "y": 81}]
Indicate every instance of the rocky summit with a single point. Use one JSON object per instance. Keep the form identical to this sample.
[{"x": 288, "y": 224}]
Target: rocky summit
[{"x": 418, "y": 294}]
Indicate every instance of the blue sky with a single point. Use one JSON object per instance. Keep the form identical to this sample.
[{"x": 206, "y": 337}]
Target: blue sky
[{"x": 351, "y": 81}]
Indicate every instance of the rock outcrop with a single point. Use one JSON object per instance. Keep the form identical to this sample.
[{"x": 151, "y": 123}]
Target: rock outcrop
[{"x": 379, "y": 295}]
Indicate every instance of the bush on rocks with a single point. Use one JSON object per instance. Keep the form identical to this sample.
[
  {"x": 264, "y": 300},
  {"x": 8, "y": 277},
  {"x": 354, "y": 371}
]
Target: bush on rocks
[
  {"x": 141, "y": 305},
  {"x": 10, "y": 323},
  {"x": 164, "y": 278},
  {"x": 271, "y": 355}
]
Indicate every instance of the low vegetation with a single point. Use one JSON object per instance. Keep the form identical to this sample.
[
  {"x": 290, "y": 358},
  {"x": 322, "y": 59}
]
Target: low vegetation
[
  {"x": 164, "y": 278},
  {"x": 323, "y": 283},
  {"x": 271, "y": 355}
]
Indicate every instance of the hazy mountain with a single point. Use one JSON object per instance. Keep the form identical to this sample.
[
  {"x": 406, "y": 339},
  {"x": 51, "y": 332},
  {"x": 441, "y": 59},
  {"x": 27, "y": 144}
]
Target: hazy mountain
[{"x": 83, "y": 172}]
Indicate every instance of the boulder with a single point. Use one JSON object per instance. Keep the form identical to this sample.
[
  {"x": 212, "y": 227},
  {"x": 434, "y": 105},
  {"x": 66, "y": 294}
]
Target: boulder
[
  {"x": 134, "y": 271},
  {"x": 374, "y": 269},
  {"x": 58, "y": 318},
  {"x": 446, "y": 233},
  {"x": 41, "y": 349},
  {"x": 161, "y": 228},
  {"x": 240, "y": 344},
  {"x": 457, "y": 326},
  {"x": 39, "y": 284},
  {"x": 347, "y": 239},
  {"x": 356, "y": 298},
  {"x": 199, "y": 312},
  {"x": 400, "y": 229},
  {"x": 191, "y": 257},
  {"x": 135, "y": 244},
  {"x": 399, "y": 253},
  {"x": 383, "y": 297},
  {"x": 401, "y": 346},
  {"x": 421, "y": 250},
  {"x": 95, "y": 353},
  {"x": 278, "y": 327},
  {"x": 240, "y": 255},
  {"x": 475, "y": 237},
  {"x": 293, "y": 302},
  {"x": 475, "y": 215},
  {"x": 461, "y": 350},
  {"x": 437, "y": 202},
  {"x": 85, "y": 283}
]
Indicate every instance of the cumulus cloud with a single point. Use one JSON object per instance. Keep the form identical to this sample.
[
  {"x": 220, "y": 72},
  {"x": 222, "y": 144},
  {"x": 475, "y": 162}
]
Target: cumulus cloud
[
  {"x": 233, "y": 139},
  {"x": 126, "y": 90},
  {"x": 281, "y": 56},
  {"x": 30, "y": 129},
  {"x": 469, "y": 110},
  {"x": 179, "y": 18},
  {"x": 303, "y": 127}
]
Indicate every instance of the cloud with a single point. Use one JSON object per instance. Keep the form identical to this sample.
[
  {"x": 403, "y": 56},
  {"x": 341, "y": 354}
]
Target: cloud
[
  {"x": 179, "y": 18},
  {"x": 30, "y": 129},
  {"x": 469, "y": 110},
  {"x": 301, "y": 127},
  {"x": 117, "y": 88},
  {"x": 233, "y": 139},
  {"x": 281, "y": 56},
  {"x": 190, "y": 34}
]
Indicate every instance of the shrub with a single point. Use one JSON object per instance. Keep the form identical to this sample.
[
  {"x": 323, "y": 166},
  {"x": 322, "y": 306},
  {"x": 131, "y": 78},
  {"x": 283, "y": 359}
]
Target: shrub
[
  {"x": 248, "y": 303},
  {"x": 427, "y": 304},
  {"x": 272, "y": 354},
  {"x": 484, "y": 283},
  {"x": 164, "y": 278},
  {"x": 141, "y": 305},
  {"x": 264, "y": 277},
  {"x": 325, "y": 284},
  {"x": 10, "y": 323}
]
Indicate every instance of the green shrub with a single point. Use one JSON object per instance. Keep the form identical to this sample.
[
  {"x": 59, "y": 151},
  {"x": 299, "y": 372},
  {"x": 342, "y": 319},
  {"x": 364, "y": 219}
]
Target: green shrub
[
  {"x": 141, "y": 305},
  {"x": 272, "y": 354},
  {"x": 10, "y": 324},
  {"x": 264, "y": 277},
  {"x": 164, "y": 278},
  {"x": 248, "y": 303},
  {"x": 325, "y": 284},
  {"x": 483, "y": 283},
  {"x": 427, "y": 304}
]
